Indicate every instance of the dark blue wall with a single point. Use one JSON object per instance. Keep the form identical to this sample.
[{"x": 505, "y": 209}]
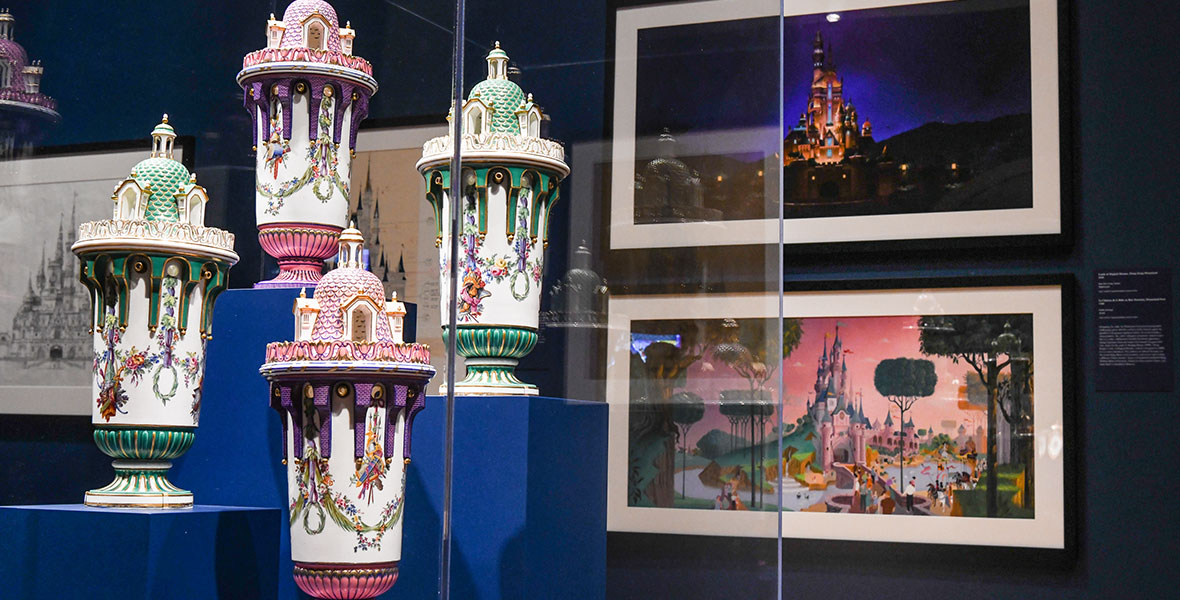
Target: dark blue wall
[{"x": 115, "y": 65}]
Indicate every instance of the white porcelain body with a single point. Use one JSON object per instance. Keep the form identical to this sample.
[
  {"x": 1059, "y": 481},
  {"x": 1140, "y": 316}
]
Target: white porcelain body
[
  {"x": 333, "y": 543},
  {"x": 330, "y": 206},
  {"x": 510, "y": 295},
  {"x": 158, "y": 385}
]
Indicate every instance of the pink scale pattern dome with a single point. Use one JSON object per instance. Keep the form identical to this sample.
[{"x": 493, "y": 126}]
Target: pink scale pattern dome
[
  {"x": 337, "y": 288},
  {"x": 298, "y": 13}
]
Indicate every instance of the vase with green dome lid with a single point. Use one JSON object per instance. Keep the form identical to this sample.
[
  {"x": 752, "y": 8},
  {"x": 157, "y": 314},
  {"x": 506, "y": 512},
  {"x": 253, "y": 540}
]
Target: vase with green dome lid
[
  {"x": 511, "y": 178},
  {"x": 153, "y": 271}
]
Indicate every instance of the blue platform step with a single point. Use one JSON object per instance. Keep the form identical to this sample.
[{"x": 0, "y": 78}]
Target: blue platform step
[
  {"x": 70, "y": 551},
  {"x": 529, "y": 500}
]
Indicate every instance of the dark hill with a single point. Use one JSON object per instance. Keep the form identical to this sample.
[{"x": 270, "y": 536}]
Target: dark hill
[{"x": 977, "y": 145}]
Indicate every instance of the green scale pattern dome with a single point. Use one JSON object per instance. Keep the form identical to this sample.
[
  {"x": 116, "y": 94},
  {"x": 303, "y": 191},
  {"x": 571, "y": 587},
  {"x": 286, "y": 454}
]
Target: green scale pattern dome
[
  {"x": 167, "y": 178},
  {"x": 506, "y": 97}
]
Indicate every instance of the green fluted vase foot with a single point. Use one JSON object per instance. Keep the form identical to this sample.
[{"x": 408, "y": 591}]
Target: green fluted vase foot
[
  {"x": 491, "y": 354},
  {"x": 142, "y": 458},
  {"x": 140, "y": 484}
]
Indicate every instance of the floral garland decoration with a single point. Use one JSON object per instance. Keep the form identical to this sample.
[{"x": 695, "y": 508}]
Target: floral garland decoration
[
  {"x": 321, "y": 172},
  {"x": 113, "y": 366},
  {"x": 315, "y": 495}
]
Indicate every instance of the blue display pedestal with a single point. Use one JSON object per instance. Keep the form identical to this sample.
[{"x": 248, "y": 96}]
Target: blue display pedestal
[
  {"x": 74, "y": 551},
  {"x": 529, "y": 500},
  {"x": 236, "y": 456},
  {"x": 530, "y": 473}
]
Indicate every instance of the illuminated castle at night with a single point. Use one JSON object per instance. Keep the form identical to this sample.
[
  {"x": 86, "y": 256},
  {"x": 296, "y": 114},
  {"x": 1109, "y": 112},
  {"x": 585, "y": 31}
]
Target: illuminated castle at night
[{"x": 829, "y": 155}]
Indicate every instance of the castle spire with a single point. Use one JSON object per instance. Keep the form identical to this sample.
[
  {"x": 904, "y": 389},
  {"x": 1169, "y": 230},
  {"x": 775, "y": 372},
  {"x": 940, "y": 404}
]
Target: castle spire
[
  {"x": 817, "y": 53},
  {"x": 41, "y": 275},
  {"x": 57, "y": 257},
  {"x": 73, "y": 221}
]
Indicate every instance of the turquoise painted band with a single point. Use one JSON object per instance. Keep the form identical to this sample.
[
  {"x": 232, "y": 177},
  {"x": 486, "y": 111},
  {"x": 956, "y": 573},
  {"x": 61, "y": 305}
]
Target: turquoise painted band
[{"x": 144, "y": 444}]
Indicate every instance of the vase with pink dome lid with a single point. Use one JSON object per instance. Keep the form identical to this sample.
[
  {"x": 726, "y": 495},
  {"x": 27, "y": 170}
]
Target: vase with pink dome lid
[
  {"x": 307, "y": 94},
  {"x": 347, "y": 389}
]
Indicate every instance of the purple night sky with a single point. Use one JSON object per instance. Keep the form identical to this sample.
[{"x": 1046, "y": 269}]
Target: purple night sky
[{"x": 910, "y": 65}]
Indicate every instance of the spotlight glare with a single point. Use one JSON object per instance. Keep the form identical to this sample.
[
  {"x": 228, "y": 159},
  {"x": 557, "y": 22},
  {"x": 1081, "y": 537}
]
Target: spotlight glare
[{"x": 833, "y": 17}]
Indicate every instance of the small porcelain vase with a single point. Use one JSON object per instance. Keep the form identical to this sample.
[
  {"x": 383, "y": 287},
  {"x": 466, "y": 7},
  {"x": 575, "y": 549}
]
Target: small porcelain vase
[
  {"x": 510, "y": 182},
  {"x": 306, "y": 94},
  {"x": 153, "y": 271},
  {"x": 347, "y": 391}
]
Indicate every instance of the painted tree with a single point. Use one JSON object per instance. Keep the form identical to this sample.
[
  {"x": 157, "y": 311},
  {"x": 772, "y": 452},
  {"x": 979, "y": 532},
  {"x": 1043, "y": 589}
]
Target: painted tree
[
  {"x": 652, "y": 433},
  {"x": 754, "y": 350},
  {"x": 902, "y": 381},
  {"x": 687, "y": 409},
  {"x": 988, "y": 344}
]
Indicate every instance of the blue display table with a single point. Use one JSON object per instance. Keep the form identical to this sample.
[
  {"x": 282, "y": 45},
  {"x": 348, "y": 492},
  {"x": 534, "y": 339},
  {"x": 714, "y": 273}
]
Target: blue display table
[
  {"x": 74, "y": 551},
  {"x": 530, "y": 474}
]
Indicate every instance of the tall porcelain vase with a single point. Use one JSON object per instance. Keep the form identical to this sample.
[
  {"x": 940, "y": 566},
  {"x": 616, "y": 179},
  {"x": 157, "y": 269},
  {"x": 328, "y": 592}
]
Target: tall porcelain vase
[
  {"x": 307, "y": 95},
  {"x": 347, "y": 390},
  {"x": 510, "y": 181},
  {"x": 153, "y": 271}
]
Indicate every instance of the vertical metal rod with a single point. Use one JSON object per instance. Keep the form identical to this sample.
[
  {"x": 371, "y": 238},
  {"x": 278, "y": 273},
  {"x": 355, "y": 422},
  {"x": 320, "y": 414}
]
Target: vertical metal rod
[
  {"x": 456, "y": 206},
  {"x": 781, "y": 257}
]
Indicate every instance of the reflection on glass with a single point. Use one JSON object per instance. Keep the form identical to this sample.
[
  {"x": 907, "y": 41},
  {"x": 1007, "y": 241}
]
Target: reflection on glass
[{"x": 24, "y": 111}]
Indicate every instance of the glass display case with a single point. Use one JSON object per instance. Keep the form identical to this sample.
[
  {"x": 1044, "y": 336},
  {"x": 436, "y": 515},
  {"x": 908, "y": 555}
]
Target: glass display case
[{"x": 546, "y": 299}]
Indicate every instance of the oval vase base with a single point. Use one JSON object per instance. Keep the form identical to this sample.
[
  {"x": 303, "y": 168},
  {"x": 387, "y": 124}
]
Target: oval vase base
[
  {"x": 345, "y": 582},
  {"x": 140, "y": 484},
  {"x": 302, "y": 276},
  {"x": 491, "y": 380}
]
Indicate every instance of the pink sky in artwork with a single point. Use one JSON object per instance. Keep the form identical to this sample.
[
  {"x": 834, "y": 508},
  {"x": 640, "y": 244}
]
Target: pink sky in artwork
[{"x": 866, "y": 341}]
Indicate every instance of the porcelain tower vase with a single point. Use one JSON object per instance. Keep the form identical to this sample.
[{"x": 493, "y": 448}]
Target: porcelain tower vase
[
  {"x": 153, "y": 272},
  {"x": 306, "y": 94},
  {"x": 347, "y": 390},
  {"x": 510, "y": 182}
]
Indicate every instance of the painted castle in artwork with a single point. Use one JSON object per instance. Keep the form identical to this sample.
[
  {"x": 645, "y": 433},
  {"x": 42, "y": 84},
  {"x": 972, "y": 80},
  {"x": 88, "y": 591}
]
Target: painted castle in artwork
[
  {"x": 845, "y": 433},
  {"x": 367, "y": 218}
]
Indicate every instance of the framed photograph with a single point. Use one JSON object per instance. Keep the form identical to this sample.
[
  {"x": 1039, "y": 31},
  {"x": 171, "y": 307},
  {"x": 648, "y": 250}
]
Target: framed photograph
[
  {"x": 695, "y": 125},
  {"x": 903, "y": 124},
  {"x": 389, "y": 208},
  {"x": 943, "y": 399},
  {"x": 45, "y": 350}
]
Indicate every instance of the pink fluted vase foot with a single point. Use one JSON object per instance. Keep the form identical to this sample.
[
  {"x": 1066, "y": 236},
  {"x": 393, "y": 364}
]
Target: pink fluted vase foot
[
  {"x": 345, "y": 582},
  {"x": 300, "y": 249}
]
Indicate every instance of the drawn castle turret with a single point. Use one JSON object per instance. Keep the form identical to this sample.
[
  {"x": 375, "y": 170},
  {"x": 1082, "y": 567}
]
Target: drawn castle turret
[
  {"x": 390, "y": 269},
  {"x": 50, "y": 324}
]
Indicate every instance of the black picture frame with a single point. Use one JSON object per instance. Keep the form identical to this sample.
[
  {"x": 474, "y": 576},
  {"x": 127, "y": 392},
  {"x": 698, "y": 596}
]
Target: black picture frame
[{"x": 745, "y": 274}]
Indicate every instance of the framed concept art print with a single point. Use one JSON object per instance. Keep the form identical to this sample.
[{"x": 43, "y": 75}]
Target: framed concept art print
[
  {"x": 388, "y": 204},
  {"x": 892, "y": 124},
  {"x": 45, "y": 350},
  {"x": 912, "y": 411}
]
